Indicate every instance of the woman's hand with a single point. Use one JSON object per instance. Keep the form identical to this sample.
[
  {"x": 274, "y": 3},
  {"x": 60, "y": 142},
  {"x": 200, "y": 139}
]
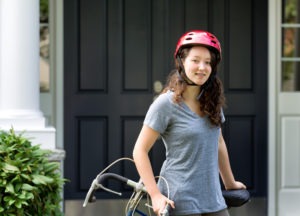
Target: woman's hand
[
  {"x": 235, "y": 185},
  {"x": 159, "y": 203}
]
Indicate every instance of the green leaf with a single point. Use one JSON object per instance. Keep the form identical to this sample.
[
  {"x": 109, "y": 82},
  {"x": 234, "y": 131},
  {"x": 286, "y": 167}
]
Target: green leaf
[
  {"x": 50, "y": 167},
  {"x": 25, "y": 176},
  {"x": 10, "y": 200},
  {"x": 22, "y": 195},
  {"x": 3, "y": 182},
  {"x": 29, "y": 196},
  {"x": 18, "y": 187},
  {"x": 2, "y": 149},
  {"x": 27, "y": 187},
  {"x": 9, "y": 167},
  {"x": 18, "y": 204},
  {"x": 9, "y": 188},
  {"x": 40, "y": 179}
]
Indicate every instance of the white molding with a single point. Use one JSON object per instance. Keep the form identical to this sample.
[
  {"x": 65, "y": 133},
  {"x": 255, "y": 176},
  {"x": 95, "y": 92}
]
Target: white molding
[
  {"x": 289, "y": 200},
  {"x": 43, "y": 136},
  {"x": 59, "y": 75},
  {"x": 289, "y": 103},
  {"x": 290, "y": 151},
  {"x": 272, "y": 104},
  {"x": 52, "y": 102}
]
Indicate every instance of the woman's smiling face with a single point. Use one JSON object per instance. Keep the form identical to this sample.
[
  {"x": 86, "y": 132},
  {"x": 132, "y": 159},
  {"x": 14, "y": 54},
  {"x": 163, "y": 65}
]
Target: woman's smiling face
[{"x": 197, "y": 65}]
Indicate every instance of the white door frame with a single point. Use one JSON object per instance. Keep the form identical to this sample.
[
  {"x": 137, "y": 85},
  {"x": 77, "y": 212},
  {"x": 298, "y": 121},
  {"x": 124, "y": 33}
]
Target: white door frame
[
  {"x": 272, "y": 106},
  {"x": 283, "y": 129},
  {"x": 51, "y": 103}
]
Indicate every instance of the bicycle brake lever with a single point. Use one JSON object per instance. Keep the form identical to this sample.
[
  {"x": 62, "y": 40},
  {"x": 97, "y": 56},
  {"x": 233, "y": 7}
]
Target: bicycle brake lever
[
  {"x": 166, "y": 211},
  {"x": 92, "y": 189},
  {"x": 109, "y": 190},
  {"x": 88, "y": 198}
]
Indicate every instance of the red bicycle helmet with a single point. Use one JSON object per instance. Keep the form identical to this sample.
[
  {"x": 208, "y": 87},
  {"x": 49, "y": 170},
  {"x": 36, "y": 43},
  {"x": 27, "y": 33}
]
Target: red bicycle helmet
[{"x": 199, "y": 37}]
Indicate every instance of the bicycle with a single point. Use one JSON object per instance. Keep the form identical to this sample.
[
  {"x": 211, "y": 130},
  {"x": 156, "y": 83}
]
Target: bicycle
[{"x": 233, "y": 198}]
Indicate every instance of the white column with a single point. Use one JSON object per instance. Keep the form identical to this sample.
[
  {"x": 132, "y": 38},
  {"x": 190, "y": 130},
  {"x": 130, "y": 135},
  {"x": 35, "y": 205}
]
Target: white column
[{"x": 19, "y": 68}]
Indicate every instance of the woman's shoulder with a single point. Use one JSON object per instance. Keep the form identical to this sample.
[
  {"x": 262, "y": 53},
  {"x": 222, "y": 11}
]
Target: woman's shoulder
[
  {"x": 165, "y": 98},
  {"x": 163, "y": 102}
]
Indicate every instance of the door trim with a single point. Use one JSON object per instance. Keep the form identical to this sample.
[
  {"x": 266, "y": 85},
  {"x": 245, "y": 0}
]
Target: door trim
[{"x": 272, "y": 107}]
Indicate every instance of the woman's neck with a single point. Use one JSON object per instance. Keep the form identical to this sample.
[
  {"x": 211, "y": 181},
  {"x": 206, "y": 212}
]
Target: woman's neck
[
  {"x": 191, "y": 93},
  {"x": 190, "y": 98}
]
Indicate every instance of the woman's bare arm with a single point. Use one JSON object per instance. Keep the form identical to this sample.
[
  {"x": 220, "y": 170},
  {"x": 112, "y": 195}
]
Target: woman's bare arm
[
  {"x": 144, "y": 143},
  {"x": 225, "y": 168}
]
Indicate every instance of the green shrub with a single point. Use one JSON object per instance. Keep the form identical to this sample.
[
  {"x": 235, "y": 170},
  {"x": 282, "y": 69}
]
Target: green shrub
[{"x": 30, "y": 184}]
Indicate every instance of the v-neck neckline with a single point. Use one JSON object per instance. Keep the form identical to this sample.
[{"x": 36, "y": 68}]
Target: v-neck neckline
[{"x": 191, "y": 111}]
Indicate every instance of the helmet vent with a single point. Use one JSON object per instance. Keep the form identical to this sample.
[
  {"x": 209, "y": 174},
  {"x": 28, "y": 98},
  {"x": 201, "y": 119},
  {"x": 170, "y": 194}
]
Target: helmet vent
[{"x": 189, "y": 38}]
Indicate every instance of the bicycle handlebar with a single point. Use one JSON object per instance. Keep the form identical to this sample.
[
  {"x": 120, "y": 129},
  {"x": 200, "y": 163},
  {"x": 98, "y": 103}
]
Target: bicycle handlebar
[
  {"x": 105, "y": 176},
  {"x": 98, "y": 183},
  {"x": 233, "y": 198}
]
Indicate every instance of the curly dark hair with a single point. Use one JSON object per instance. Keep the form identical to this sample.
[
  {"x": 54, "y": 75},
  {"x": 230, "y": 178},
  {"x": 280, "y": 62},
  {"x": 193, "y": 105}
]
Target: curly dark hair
[{"x": 212, "y": 99}]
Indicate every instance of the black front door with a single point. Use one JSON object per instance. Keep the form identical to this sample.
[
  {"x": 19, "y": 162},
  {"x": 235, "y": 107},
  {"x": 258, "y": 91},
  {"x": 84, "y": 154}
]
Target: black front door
[{"x": 118, "y": 53}]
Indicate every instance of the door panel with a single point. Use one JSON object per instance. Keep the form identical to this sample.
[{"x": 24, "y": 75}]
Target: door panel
[{"x": 114, "y": 53}]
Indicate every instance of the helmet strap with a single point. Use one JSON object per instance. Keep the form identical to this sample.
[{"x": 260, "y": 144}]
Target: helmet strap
[
  {"x": 201, "y": 93},
  {"x": 189, "y": 82},
  {"x": 207, "y": 84}
]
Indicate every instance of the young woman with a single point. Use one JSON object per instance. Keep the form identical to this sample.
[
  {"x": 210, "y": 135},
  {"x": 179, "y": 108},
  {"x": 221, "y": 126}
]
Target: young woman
[{"x": 188, "y": 117}]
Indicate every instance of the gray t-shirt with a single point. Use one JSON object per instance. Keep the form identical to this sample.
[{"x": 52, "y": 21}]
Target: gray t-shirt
[{"x": 191, "y": 165}]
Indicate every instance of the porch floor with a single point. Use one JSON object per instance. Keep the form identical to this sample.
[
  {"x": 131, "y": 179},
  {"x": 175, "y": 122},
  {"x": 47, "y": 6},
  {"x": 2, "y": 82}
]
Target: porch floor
[{"x": 257, "y": 207}]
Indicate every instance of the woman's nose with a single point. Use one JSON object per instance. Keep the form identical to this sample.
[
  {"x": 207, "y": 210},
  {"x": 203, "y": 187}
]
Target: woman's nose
[{"x": 201, "y": 65}]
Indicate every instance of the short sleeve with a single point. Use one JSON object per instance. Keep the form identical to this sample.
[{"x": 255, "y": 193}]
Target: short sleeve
[{"x": 158, "y": 114}]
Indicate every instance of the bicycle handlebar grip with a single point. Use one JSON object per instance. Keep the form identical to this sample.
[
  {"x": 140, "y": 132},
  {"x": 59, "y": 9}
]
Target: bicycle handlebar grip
[{"x": 106, "y": 176}]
